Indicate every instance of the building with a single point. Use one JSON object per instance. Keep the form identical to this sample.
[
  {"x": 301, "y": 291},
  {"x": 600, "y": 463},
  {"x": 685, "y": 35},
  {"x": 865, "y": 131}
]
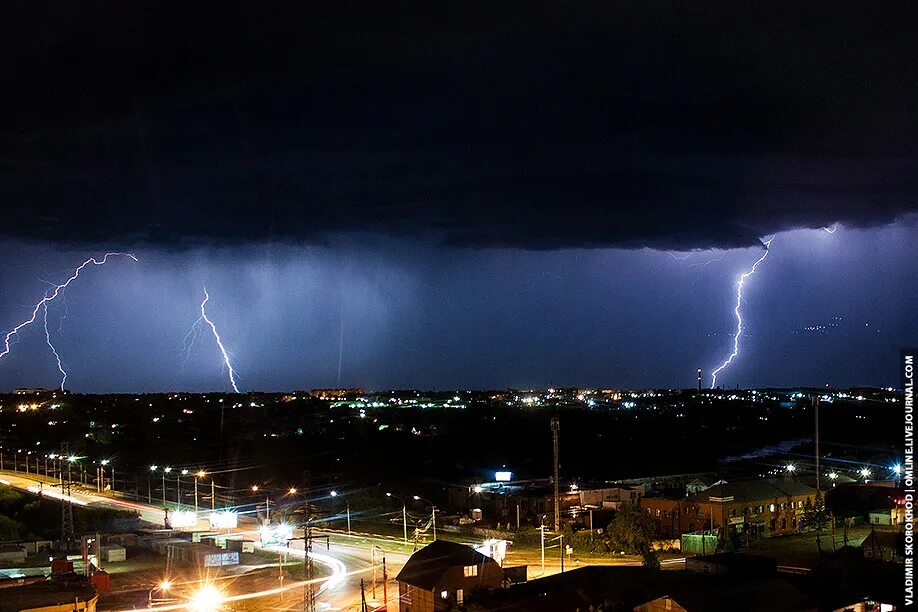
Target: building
[
  {"x": 646, "y": 590},
  {"x": 753, "y": 508},
  {"x": 442, "y": 574},
  {"x": 527, "y": 501},
  {"x": 333, "y": 394}
]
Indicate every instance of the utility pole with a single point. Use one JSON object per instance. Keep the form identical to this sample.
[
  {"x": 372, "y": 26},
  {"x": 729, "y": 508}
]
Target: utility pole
[
  {"x": 542, "y": 542},
  {"x": 555, "y": 430},
  {"x": 385, "y": 589},
  {"x": 67, "y": 505},
  {"x": 816, "y": 407}
]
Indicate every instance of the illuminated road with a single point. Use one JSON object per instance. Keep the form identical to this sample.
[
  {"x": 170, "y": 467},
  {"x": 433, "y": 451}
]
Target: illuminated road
[
  {"x": 348, "y": 565},
  {"x": 345, "y": 564}
]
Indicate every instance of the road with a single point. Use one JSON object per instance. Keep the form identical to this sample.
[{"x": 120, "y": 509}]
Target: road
[{"x": 346, "y": 563}]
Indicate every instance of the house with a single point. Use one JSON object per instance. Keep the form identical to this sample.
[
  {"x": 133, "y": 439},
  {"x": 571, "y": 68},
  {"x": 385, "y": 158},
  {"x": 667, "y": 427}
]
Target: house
[{"x": 442, "y": 574}]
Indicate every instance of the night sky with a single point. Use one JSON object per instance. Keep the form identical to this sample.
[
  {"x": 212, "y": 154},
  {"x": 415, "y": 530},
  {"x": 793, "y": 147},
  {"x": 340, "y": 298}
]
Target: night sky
[{"x": 462, "y": 196}]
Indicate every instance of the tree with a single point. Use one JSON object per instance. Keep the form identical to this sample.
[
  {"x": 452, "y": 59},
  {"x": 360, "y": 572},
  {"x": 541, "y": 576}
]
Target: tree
[
  {"x": 817, "y": 517},
  {"x": 632, "y": 531}
]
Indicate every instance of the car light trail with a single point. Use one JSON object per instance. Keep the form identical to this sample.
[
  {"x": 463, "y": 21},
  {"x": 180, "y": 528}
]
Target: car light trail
[
  {"x": 56, "y": 495},
  {"x": 739, "y": 316},
  {"x": 257, "y": 594},
  {"x": 50, "y": 296}
]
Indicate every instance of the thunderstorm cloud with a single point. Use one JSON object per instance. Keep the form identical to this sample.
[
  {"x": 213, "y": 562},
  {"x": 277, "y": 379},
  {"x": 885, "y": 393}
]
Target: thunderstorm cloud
[{"x": 538, "y": 127}]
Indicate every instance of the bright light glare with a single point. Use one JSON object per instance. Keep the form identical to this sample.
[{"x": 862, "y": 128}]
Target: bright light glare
[
  {"x": 333, "y": 493},
  {"x": 897, "y": 469},
  {"x": 207, "y": 599},
  {"x": 791, "y": 467},
  {"x": 165, "y": 585},
  {"x": 865, "y": 472}
]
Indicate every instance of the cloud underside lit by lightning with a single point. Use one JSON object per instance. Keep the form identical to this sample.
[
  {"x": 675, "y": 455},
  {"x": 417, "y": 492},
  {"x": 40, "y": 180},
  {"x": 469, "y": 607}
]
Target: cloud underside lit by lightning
[
  {"x": 42, "y": 305},
  {"x": 738, "y": 314},
  {"x": 213, "y": 328}
]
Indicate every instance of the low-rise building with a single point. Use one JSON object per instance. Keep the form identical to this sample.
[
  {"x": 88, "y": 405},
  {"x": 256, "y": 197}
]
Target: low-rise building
[
  {"x": 755, "y": 508},
  {"x": 442, "y": 574}
]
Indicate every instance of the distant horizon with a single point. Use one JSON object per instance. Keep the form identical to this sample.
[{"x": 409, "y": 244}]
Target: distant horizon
[{"x": 887, "y": 388}]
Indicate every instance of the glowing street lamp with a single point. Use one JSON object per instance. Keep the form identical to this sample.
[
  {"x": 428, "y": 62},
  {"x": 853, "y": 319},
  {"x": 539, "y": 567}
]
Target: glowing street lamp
[
  {"x": 162, "y": 587},
  {"x": 865, "y": 472},
  {"x": 166, "y": 470},
  {"x": 207, "y": 599},
  {"x": 404, "y": 516},
  {"x": 347, "y": 507},
  {"x": 197, "y": 476},
  {"x": 897, "y": 469}
]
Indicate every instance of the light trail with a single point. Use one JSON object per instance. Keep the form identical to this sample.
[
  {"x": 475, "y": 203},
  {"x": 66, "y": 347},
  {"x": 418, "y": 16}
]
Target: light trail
[
  {"x": 213, "y": 328},
  {"x": 50, "y": 296},
  {"x": 57, "y": 356},
  {"x": 830, "y": 230},
  {"x": 265, "y": 593},
  {"x": 739, "y": 316}
]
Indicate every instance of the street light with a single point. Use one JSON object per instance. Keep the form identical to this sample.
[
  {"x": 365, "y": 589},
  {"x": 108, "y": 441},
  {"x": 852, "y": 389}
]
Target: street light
[
  {"x": 162, "y": 587},
  {"x": 178, "y": 490},
  {"x": 166, "y": 470},
  {"x": 433, "y": 514},
  {"x": 791, "y": 467},
  {"x": 347, "y": 507},
  {"x": 197, "y": 475},
  {"x": 404, "y": 516},
  {"x": 207, "y": 599}
]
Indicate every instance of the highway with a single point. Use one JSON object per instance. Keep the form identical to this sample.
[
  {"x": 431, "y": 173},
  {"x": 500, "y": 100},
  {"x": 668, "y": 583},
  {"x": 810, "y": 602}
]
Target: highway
[{"x": 345, "y": 563}]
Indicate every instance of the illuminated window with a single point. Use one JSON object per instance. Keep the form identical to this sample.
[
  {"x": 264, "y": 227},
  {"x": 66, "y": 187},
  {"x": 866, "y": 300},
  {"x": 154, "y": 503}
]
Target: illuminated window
[
  {"x": 459, "y": 597},
  {"x": 470, "y": 570},
  {"x": 444, "y": 594}
]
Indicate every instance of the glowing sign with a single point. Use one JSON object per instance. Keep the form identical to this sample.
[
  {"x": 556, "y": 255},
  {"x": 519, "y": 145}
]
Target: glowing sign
[{"x": 503, "y": 476}]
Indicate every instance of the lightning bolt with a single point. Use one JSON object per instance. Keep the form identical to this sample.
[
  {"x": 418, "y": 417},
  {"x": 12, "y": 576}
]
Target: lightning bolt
[
  {"x": 42, "y": 305},
  {"x": 57, "y": 356},
  {"x": 736, "y": 312},
  {"x": 830, "y": 230},
  {"x": 213, "y": 328}
]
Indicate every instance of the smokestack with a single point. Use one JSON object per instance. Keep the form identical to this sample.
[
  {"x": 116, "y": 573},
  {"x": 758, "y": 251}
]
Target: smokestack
[{"x": 699, "y": 379}]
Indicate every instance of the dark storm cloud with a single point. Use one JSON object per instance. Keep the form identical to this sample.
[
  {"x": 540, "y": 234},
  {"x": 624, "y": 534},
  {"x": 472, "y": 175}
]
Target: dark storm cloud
[{"x": 627, "y": 125}]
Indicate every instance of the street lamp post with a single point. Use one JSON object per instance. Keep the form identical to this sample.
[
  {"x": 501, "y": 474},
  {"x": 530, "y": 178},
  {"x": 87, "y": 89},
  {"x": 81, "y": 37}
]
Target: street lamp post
[
  {"x": 178, "y": 490},
  {"x": 165, "y": 471},
  {"x": 347, "y": 507},
  {"x": 149, "y": 487},
  {"x": 433, "y": 514},
  {"x": 199, "y": 474},
  {"x": 404, "y": 516},
  {"x": 102, "y": 464}
]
